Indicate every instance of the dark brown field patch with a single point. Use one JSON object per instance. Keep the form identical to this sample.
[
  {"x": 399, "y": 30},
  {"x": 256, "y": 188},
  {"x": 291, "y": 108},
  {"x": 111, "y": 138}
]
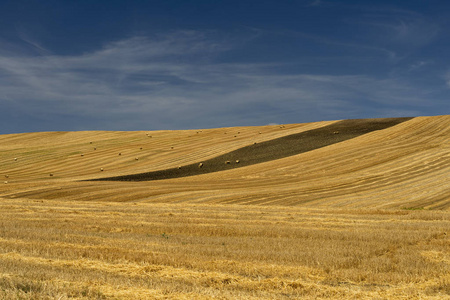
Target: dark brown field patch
[{"x": 270, "y": 150}]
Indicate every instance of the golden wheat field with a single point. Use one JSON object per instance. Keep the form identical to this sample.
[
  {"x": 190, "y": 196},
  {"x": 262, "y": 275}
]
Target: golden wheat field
[{"x": 365, "y": 218}]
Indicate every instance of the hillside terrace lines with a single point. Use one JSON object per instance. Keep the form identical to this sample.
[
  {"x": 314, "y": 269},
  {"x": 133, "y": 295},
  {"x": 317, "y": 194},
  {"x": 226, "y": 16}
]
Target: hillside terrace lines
[
  {"x": 399, "y": 167},
  {"x": 380, "y": 175},
  {"x": 400, "y": 171},
  {"x": 366, "y": 152},
  {"x": 271, "y": 150},
  {"x": 90, "y": 160},
  {"x": 57, "y": 150},
  {"x": 373, "y": 168}
]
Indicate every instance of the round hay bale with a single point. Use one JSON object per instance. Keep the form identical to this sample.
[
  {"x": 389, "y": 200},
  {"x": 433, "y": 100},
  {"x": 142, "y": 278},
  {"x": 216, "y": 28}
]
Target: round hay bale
[
  {"x": 238, "y": 161},
  {"x": 200, "y": 165},
  {"x": 6, "y": 176},
  {"x": 6, "y": 182},
  {"x": 101, "y": 169},
  {"x": 136, "y": 158},
  {"x": 51, "y": 174},
  {"x": 228, "y": 162},
  {"x": 15, "y": 158}
]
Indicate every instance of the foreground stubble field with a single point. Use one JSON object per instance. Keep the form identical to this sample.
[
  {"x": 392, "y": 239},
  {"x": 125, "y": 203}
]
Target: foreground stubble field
[
  {"x": 365, "y": 218},
  {"x": 97, "y": 250}
]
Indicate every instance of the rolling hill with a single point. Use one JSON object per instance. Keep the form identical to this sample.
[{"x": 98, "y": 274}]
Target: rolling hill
[
  {"x": 352, "y": 209},
  {"x": 405, "y": 164}
]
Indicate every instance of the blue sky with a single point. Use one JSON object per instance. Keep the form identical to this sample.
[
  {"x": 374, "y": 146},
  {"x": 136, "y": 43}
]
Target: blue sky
[{"x": 150, "y": 65}]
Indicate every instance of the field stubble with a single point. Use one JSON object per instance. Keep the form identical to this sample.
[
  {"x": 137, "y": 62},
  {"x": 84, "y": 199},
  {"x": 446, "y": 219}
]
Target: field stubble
[
  {"x": 365, "y": 218},
  {"x": 57, "y": 249}
]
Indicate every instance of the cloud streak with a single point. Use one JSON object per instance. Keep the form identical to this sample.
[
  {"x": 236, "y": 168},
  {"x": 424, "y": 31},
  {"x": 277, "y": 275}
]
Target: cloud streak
[{"x": 176, "y": 81}]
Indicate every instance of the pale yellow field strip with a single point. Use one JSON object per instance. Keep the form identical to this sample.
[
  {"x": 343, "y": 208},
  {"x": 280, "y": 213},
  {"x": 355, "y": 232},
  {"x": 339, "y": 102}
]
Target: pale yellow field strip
[{"x": 183, "y": 251}]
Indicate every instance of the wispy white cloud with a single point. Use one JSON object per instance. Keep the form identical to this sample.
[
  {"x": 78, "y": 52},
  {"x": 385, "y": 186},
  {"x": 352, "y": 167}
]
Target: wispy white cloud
[
  {"x": 411, "y": 32},
  {"x": 34, "y": 44},
  {"x": 398, "y": 31},
  {"x": 173, "y": 81},
  {"x": 339, "y": 43},
  {"x": 419, "y": 65}
]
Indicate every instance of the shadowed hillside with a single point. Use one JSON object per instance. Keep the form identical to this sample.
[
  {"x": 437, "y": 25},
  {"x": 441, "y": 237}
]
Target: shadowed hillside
[
  {"x": 406, "y": 165},
  {"x": 271, "y": 150}
]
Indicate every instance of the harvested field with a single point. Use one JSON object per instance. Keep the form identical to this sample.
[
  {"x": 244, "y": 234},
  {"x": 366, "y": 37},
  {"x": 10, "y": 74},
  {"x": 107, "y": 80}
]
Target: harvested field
[
  {"x": 363, "y": 218},
  {"x": 98, "y": 250},
  {"x": 271, "y": 150}
]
